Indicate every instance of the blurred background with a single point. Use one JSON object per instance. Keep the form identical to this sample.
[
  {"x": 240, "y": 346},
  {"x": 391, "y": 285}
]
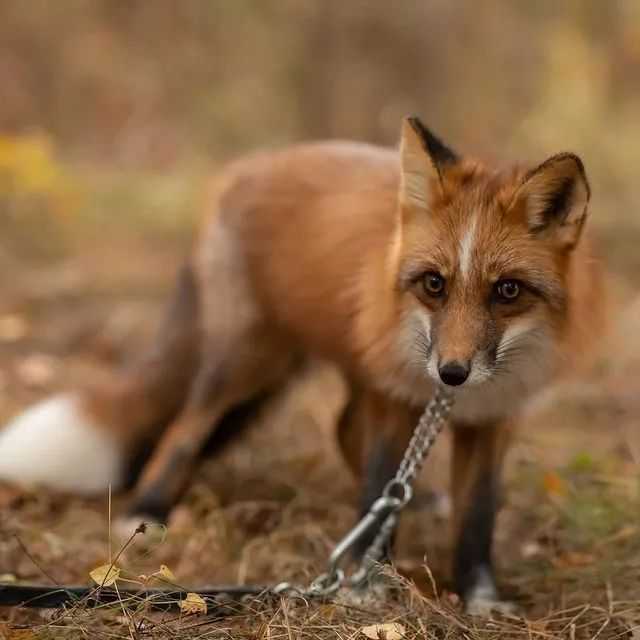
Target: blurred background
[
  {"x": 99, "y": 96},
  {"x": 113, "y": 112}
]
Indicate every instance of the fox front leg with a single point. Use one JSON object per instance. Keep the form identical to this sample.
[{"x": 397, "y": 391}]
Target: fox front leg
[{"x": 478, "y": 454}]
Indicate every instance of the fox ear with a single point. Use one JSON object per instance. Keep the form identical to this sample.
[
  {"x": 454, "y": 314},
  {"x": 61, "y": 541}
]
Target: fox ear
[
  {"x": 554, "y": 197},
  {"x": 423, "y": 158}
]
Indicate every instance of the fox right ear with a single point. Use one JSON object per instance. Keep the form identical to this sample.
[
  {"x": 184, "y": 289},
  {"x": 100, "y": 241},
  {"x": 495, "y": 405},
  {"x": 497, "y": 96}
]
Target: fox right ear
[
  {"x": 423, "y": 159},
  {"x": 554, "y": 197}
]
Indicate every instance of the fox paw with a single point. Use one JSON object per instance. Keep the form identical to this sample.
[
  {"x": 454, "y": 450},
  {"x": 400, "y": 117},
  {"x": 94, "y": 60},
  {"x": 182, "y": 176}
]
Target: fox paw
[
  {"x": 374, "y": 592},
  {"x": 484, "y": 607},
  {"x": 127, "y": 526},
  {"x": 482, "y": 599}
]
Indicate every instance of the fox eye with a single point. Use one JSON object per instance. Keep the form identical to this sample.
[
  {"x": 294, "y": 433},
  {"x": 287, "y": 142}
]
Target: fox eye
[
  {"x": 433, "y": 284},
  {"x": 507, "y": 290}
]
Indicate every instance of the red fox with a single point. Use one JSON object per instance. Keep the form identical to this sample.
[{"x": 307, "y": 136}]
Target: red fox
[{"x": 406, "y": 269}]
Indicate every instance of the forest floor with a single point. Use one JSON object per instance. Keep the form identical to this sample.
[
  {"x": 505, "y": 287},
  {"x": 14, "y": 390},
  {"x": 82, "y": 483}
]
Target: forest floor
[{"x": 270, "y": 507}]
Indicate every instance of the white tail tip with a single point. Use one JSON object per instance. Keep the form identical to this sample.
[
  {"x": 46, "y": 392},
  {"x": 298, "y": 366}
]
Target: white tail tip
[{"x": 56, "y": 444}]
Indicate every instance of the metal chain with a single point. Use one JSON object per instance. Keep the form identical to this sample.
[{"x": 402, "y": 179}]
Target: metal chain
[
  {"x": 424, "y": 436},
  {"x": 429, "y": 426},
  {"x": 383, "y": 513}
]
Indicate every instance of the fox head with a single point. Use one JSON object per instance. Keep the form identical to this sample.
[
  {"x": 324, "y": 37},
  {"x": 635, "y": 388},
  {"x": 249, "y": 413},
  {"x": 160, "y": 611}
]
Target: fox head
[{"x": 483, "y": 258}]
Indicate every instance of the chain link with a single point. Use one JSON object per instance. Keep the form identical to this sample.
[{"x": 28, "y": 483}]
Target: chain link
[
  {"x": 431, "y": 423},
  {"x": 383, "y": 514},
  {"x": 429, "y": 426}
]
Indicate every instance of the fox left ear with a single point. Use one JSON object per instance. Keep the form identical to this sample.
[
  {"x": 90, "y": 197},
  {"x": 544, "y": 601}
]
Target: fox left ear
[
  {"x": 554, "y": 197},
  {"x": 423, "y": 159}
]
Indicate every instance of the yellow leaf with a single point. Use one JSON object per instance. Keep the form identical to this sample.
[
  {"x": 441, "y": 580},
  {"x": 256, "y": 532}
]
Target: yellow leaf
[
  {"x": 193, "y": 604},
  {"x": 105, "y": 575},
  {"x": 386, "y": 631},
  {"x": 166, "y": 574}
]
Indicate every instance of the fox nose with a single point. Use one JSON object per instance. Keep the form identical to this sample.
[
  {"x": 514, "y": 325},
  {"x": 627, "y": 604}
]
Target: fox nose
[{"x": 453, "y": 373}]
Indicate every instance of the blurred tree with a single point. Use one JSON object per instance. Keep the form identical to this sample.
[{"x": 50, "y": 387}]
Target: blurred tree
[{"x": 152, "y": 84}]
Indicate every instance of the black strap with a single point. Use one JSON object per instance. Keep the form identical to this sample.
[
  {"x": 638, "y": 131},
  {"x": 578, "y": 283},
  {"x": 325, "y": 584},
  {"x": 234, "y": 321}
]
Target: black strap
[{"x": 45, "y": 597}]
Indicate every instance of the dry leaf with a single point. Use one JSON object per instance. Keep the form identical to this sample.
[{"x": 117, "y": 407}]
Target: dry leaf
[
  {"x": 166, "y": 574},
  {"x": 554, "y": 485},
  {"x": 12, "y": 328},
  {"x": 386, "y": 631},
  {"x": 193, "y": 604},
  {"x": 573, "y": 559},
  {"x": 105, "y": 575}
]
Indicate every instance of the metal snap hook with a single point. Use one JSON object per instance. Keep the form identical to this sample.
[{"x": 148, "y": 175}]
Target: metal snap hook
[
  {"x": 398, "y": 489},
  {"x": 326, "y": 584}
]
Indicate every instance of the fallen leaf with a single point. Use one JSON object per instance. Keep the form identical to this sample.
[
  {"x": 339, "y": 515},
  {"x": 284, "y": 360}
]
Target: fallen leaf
[
  {"x": 105, "y": 575},
  {"x": 193, "y": 604},
  {"x": 554, "y": 485},
  {"x": 385, "y": 631},
  {"x": 573, "y": 559},
  {"x": 166, "y": 574},
  {"x": 12, "y": 328}
]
